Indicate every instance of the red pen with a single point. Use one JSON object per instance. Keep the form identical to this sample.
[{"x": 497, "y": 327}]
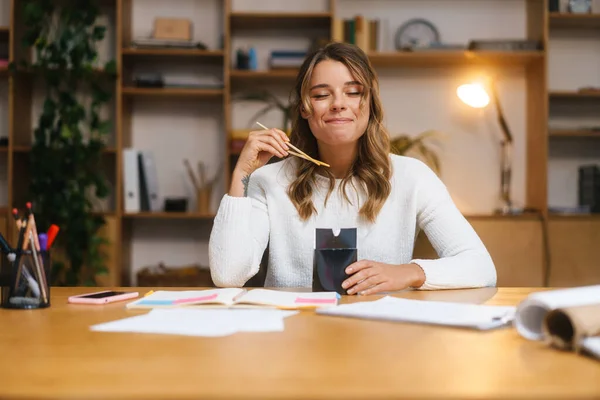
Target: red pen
[{"x": 52, "y": 232}]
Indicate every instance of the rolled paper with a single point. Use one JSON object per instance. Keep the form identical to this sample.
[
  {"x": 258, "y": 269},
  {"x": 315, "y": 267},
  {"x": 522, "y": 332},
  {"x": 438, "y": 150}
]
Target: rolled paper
[
  {"x": 529, "y": 318},
  {"x": 565, "y": 328}
]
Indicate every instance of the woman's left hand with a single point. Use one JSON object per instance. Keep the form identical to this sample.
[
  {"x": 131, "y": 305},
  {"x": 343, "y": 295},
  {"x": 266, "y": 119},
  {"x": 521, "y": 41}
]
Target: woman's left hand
[{"x": 370, "y": 277}]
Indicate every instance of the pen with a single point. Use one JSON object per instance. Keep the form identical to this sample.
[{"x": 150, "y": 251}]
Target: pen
[
  {"x": 149, "y": 293},
  {"x": 43, "y": 239},
  {"x": 4, "y": 245}
]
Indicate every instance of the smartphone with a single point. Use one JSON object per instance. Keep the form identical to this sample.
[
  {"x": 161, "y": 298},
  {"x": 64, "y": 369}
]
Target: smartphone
[{"x": 107, "y": 296}]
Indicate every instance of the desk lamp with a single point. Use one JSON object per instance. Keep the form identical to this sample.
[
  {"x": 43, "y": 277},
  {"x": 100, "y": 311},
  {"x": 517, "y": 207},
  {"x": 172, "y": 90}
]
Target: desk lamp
[{"x": 476, "y": 96}]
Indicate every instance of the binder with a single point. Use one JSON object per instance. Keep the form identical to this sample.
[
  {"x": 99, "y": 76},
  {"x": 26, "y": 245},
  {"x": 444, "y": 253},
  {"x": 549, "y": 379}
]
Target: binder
[
  {"x": 131, "y": 181},
  {"x": 150, "y": 200}
]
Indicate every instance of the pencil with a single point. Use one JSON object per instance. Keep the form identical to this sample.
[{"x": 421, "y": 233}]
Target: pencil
[{"x": 191, "y": 174}]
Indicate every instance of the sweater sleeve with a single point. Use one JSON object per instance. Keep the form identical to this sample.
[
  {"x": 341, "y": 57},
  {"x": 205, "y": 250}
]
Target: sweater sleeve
[
  {"x": 239, "y": 237},
  {"x": 463, "y": 261}
]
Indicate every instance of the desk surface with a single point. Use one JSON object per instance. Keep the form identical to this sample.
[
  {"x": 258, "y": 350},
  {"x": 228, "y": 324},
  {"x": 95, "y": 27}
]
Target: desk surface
[{"x": 52, "y": 354}]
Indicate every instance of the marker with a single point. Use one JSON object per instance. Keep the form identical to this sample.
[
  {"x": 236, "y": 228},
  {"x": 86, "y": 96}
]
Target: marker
[
  {"x": 52, "y": 232},
  {"x": 43, "y": 239},
  {"x": 149, "y": 293}
]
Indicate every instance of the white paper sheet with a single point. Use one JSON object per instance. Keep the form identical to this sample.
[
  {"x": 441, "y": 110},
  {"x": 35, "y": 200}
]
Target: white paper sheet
[
  {"x": 531, "y": 312},
  {"x": 198, "y": 322},
  {"x": 592, "y": 346},
  {"x": 427, "y": 312}
]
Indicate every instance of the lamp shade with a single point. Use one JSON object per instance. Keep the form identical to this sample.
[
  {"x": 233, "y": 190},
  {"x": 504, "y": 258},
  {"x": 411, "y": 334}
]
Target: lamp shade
[{"x": 473, "y": 94}]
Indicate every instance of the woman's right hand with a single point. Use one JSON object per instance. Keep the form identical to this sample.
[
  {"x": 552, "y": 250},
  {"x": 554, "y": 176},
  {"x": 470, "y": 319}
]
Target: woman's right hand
[{"x": 258, "y": 150}]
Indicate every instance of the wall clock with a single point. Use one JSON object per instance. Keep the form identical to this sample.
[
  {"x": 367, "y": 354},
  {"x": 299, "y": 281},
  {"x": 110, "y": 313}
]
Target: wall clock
[{"x": 416, "y": 33}]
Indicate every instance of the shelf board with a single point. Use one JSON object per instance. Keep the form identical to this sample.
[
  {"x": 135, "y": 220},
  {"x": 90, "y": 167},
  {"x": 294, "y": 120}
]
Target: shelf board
[
  {"x": 168, "y": 52},
  {"x": 273, "y": 74},
  {"x": 453, "y": 57},
  {"x": 579, "y": 216},
  {"x": 494, "y": 216},
  {"x": 579, "y": 21},
  {"x": 275, "y": 20},
  {"x": 172, "y": 92},
  {"x": 577, "y": 94},
  {"x": 167, "y": 215},
  {"x": 4, "y": 30},
  {"x": 27, "y": 149},
  {"x": 574, "y": 133}
]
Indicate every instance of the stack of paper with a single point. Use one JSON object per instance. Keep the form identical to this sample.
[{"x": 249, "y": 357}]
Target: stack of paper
[
  {"x": 592, "y": 346},
  {"x": 195, "y": 322},
  {"x": 473, "y": 316}
]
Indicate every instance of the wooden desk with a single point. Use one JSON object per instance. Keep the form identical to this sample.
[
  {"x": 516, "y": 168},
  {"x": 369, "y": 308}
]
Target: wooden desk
[{"x": 52, "y": 354}]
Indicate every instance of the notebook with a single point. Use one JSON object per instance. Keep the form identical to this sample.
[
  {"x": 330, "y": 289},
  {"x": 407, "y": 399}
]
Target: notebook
[
  {"x": 473, "y": 316},
  {"x": 236, "y": 297}
]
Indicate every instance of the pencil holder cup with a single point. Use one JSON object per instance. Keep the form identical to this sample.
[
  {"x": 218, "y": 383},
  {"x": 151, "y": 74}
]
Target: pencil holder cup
[
  {"x": 25, "y": 284},
  {"x": 203, "y": 200}
]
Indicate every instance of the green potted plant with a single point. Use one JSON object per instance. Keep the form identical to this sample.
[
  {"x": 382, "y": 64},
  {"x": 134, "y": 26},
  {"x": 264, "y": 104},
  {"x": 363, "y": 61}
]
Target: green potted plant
[
  {"x": 271, "y": 103},
  {"x": 70, "y": 135},
  {"x": 417, "y": 146}
]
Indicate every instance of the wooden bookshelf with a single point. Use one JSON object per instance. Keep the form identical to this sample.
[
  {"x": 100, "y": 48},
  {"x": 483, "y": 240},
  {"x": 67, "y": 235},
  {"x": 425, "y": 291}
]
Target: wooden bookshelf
[
  {"x": 172, "y": 92},
  {"x": 456, "y": 57},
  {"x": 318, "y": 24},
  {"x": 574, "y": 21}
]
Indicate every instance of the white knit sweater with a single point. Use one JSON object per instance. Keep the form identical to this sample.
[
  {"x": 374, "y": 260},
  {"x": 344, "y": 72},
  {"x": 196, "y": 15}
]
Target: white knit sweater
[{"x": 419, "y": 200}]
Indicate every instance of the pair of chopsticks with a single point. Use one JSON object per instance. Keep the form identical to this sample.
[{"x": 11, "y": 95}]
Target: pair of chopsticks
[{"x": 298, "y": 152}]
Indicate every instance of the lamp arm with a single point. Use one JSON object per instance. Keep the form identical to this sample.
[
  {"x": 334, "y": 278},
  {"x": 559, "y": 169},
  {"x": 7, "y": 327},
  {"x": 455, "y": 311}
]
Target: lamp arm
[
  {"x": 501, "y": 119},
  {"x": 506, "y": 156}
]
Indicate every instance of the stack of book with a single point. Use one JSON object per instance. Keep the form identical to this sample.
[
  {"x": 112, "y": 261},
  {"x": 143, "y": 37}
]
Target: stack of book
[
  {"x": 284, "y": 59},
  {"x": 368, "y": 34}
]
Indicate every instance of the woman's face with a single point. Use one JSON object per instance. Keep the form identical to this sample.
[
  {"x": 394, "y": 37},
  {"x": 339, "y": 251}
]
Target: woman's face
[{"x": 335, "y": 96}]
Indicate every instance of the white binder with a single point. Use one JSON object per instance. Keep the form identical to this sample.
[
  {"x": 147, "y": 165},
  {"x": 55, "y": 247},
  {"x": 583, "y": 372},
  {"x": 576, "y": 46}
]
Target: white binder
[{"x": 131, "y": 180}]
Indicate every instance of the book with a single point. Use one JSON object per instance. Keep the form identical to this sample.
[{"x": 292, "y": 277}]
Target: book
[
  {"x": 473, "y": 316},
  {"x": 237, "y": 297}
]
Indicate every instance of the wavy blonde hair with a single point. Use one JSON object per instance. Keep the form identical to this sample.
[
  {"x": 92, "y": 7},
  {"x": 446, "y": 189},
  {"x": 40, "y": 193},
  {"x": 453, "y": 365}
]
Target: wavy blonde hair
[{"x": 372, "y": 164}]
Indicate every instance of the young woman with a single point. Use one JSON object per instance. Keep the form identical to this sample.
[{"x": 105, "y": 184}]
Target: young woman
[{"x": 388, "y": 198}]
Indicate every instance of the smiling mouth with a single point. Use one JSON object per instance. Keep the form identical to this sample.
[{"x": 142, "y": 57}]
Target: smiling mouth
[{"x": 338, "y": 121}]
